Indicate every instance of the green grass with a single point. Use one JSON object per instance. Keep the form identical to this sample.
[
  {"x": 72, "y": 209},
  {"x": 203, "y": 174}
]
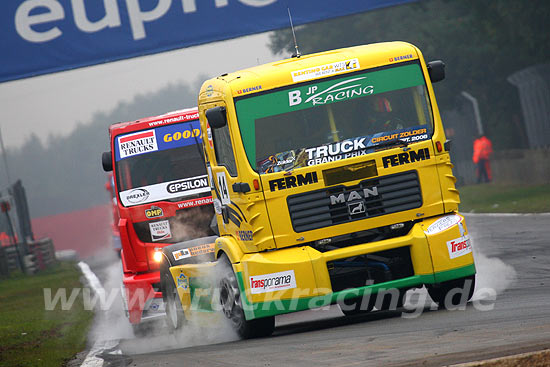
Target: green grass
[
  {"x": 29, "y": 334},
  {"x": 494, "y": 198}
]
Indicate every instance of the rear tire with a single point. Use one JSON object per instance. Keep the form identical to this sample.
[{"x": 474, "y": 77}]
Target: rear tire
[
  {"x": 453, "y": 293},
  {"x": 231, "y": 306}
]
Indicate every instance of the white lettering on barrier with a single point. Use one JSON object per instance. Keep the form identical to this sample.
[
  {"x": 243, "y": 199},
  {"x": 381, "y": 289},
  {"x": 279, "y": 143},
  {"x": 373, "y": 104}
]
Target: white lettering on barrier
[
  {"x": 24, "y": 21},
  {"x": 110, "y": 20},
  {"x": 139, "y": 17}
]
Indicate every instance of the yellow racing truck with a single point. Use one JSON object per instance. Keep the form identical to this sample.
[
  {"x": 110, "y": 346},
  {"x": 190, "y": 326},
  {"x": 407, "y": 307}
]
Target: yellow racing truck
[{"x": 332, "y": 183}]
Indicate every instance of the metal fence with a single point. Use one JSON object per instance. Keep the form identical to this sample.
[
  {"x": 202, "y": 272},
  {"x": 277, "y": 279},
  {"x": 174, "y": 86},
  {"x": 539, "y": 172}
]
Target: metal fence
[{"x": 533, "y": 84}]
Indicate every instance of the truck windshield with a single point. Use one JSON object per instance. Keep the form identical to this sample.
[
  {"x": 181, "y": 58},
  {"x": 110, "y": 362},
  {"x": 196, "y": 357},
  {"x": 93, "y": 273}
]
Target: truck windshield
[
  {"x": 163, "y": 163},
  {"x": 336, "y": 118}
]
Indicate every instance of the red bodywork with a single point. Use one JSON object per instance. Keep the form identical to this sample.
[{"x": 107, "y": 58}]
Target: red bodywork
[{"x": 141, "y": 273}]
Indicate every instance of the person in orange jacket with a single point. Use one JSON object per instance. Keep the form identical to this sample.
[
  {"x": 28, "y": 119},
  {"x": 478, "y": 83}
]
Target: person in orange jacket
[{"x": 483, "y": 148}]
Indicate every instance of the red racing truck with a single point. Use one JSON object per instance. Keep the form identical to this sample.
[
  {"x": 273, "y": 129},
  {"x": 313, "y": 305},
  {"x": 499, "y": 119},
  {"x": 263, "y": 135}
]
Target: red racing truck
[{"x": 163, "y": 196}]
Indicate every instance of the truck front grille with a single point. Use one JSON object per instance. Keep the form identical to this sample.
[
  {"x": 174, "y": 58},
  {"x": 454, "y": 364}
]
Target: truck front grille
[{"x": 342, "y": 204}]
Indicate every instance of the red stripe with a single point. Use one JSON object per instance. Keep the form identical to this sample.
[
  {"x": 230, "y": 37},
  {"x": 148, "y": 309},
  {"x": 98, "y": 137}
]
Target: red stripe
[{"x": 137, "y": 136}]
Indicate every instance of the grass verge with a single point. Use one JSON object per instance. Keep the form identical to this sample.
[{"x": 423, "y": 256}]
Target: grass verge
[
  {"x": 29, "y": 334},
  {"x": 495, "y": 198}
]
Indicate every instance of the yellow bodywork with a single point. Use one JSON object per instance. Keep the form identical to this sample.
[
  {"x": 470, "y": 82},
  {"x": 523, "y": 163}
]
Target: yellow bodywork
[{"x": 261, "y": 241}]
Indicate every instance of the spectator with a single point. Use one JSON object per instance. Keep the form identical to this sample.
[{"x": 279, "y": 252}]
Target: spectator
[{"x": 483, "y": 148}]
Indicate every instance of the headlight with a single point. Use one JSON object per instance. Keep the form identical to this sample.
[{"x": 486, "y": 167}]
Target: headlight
[{"x": 157, "y": 255}]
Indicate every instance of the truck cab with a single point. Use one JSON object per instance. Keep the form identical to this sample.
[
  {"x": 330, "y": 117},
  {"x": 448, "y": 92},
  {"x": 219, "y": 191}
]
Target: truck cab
[
  {"x": 162, "y": 195},
  {"x": 331, "y": 181}
]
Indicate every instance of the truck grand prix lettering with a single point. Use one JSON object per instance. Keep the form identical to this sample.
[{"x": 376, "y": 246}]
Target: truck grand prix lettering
[
  {"x": 336, "y": 151},
  {"x": 406, "y": 158},
  {"x": 293, "y": 181}
]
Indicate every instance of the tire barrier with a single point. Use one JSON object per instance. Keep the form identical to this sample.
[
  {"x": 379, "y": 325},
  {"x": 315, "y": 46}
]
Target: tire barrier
[{"x": 28, "y": 258}]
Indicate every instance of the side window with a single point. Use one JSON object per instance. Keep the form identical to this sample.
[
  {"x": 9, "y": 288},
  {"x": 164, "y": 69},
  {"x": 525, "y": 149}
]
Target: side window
[{"x": 224, "y": 149}]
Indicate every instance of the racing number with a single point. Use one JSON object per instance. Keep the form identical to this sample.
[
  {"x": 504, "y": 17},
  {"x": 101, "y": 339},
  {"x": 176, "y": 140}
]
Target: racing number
[{"x": 222, "y": 185}]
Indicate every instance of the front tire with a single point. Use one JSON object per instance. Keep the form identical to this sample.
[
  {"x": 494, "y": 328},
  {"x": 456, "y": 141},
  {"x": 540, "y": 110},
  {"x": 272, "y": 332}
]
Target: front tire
[
  {"x": 231, "y": 306},
  {"x": 175, "y": 317},
  {"x": 453, "y": 293}
]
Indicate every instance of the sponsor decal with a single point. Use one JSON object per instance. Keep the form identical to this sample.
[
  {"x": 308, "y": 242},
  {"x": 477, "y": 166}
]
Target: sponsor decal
[
  {"x": 195, "y": 202},
  {"x": 183, "y": 282},
  {"x": 184, "y": 134},
  {"x": 248, "y": 90},
  {"x": 340, "y": 91},
  {"x": 160, "y": 230},
  {"x": 443, "y": 224},
  {"x": 244, "y": 235},
  {"x": 272, "y": 282},
  {"x": 201, "y": 249},
  {"x": 169, "y": 120},
  {"x": 325, "y": 70},
  {"x": 277, "y": 162},
  {"x": 407, "y": 136},
  {"x": 188, "y": 184},
  {"x": 401, "y": 58},
  {"x": 137, "y": 196},
  {"x": 217, "y": 206},
  {"x": 406, "y": 157},
  {"x": 181, "y": 254},
  {"x": 459, "y": 247},
  {"x": 293, "y": 181},
  {"x": 336, "y": 151},
  {"x": 133, "y": 144},
  {"x": 154, "y": 212},
  {"x": 209, "y": 134},
  {"x": 193, "y": 251}
]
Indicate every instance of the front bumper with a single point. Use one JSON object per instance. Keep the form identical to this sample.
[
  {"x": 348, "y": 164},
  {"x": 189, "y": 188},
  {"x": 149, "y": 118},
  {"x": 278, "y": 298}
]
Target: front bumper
[
  {"x": 143, "y": 296},
  {"x": 435, "y": 250}
]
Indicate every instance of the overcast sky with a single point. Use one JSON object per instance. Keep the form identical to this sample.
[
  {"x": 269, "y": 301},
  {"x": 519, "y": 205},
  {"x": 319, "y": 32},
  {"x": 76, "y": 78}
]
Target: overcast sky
[{"x": 55, "y": 103}]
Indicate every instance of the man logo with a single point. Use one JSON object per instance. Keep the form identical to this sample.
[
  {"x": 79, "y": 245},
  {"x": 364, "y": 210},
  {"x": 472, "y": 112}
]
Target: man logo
[
  {"x": 355, "y": 208},
  {"x": 353, "y": 195}
]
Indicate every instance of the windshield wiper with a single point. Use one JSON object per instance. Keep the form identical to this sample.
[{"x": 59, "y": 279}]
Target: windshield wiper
[{"x": 390, "y": 143}]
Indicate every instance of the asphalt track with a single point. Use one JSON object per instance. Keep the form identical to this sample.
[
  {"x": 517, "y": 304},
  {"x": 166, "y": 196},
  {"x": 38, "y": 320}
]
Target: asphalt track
[{"x": 512, "y": 257}]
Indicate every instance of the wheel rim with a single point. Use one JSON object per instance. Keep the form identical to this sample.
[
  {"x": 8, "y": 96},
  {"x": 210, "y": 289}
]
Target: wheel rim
[{"x": 229, "y": 299}]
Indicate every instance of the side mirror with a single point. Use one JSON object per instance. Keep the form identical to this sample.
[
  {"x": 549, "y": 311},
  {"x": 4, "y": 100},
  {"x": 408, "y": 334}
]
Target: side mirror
[
  {"x": 436, "y": 69},
  {"x": 107, "y": 162},
  {"x": 216, "y": 117}
]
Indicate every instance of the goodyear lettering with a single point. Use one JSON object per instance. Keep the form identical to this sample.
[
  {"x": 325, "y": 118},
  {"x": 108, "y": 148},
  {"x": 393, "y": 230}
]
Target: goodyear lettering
[
  {"x": 406, "y": 158},
  {"x": 293, "y": 181},
  {"x": 186, "y": 134}
]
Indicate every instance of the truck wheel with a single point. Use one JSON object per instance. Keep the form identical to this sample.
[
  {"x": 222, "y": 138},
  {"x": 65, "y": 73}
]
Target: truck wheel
[
  {"x": 175, "y": 317},
  {"x": 453, "y": 293},
  {"x": 231, "y": 306}
]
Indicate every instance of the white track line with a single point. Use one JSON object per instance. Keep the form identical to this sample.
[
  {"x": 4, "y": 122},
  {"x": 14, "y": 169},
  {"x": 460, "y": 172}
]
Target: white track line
[
  {"x": 100, "y": 345},
  {"x": 503, "y": 214}
]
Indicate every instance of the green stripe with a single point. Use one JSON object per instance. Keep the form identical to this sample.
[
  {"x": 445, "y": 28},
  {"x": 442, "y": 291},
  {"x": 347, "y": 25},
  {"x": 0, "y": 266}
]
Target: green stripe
[{"x": 278, "y": 307}]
